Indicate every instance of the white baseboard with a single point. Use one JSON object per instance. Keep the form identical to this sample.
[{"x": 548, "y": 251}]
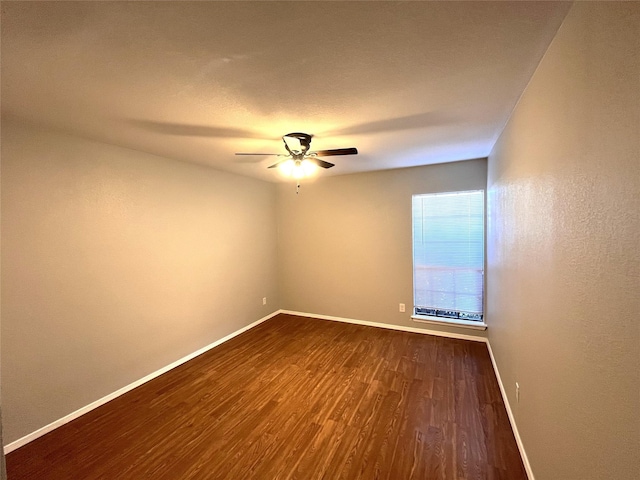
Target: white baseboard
[
  {"x": 73, "y": 415},
  {"x": 367, "y": 323},
  {"x": 512, "y": 420}
]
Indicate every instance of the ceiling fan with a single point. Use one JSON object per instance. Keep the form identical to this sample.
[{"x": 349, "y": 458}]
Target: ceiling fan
[{"x": 297, "y": 145}]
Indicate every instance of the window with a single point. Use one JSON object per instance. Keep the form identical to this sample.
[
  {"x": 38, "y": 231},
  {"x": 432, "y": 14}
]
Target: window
[{"x": 448, "y": 256}]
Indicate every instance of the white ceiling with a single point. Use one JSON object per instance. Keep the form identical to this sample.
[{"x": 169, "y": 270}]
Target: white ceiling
[{"x": 407, "y": 83}]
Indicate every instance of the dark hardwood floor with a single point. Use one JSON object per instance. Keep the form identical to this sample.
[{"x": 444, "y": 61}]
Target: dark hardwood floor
[{"x": 297, "y": 398}]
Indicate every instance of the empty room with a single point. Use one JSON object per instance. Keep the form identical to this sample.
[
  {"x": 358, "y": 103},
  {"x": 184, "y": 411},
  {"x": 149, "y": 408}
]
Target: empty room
[{"x": 320, "y": 240}]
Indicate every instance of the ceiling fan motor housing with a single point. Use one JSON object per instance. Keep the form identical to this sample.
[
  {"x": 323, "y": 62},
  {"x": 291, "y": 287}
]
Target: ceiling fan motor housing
[{"x": 304, "y": 141}]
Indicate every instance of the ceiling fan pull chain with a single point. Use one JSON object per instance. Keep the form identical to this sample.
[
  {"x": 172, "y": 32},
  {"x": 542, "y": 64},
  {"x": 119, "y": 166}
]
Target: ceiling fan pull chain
[{"x": 297, "y": 187}]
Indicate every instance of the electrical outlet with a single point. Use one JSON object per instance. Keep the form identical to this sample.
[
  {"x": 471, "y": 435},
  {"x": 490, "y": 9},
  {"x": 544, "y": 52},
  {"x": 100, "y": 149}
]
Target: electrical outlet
[
  {"x": 401, "y": 307},
  {"x": 517, "y": 392},
  {"x": 264, "y": 300}
]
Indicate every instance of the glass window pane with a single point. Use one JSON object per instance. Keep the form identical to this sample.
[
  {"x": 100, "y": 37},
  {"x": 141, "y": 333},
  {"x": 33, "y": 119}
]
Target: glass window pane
[{"x": 448, "y": 253}]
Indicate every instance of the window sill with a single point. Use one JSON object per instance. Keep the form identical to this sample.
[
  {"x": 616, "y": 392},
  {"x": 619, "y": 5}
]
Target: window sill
[{"x": 450, "y": 321}]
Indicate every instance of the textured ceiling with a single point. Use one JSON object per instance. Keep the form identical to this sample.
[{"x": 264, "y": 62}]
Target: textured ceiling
[{"x": 408, "y": 83}]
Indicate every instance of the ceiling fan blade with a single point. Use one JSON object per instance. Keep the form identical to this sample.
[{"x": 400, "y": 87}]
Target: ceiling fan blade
[
  {"x": 273, "y": 154},
  {"x": 278, "y": 163},
  {"x": 320, "y": 163},
  {"x": 336, "y": 151}
]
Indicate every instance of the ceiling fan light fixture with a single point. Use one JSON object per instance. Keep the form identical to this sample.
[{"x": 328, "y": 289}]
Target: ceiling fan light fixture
[
  {"x": 298, "y": 168},
  {"x": 308, "y": 168},
  {"x": 286, "y": 167}
]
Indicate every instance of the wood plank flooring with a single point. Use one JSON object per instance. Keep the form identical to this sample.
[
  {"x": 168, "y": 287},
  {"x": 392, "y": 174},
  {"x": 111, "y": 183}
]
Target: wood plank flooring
[{"x": 297, "y": 398}]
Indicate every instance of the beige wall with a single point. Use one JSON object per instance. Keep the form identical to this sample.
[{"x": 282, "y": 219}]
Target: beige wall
[
  {"x": 116, "y": 263},
  {"x": 563, "y": 250},
  {"x": 3, "y": 468},
  {"x": 345, "y": 241}
]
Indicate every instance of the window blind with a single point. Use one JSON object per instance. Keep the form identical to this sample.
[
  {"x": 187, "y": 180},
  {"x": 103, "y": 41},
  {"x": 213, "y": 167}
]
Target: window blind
[{"x": 448, "y": 254}]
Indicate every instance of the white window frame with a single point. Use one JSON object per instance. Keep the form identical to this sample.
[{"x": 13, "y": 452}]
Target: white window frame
[{"x": 439, "y": 320}]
